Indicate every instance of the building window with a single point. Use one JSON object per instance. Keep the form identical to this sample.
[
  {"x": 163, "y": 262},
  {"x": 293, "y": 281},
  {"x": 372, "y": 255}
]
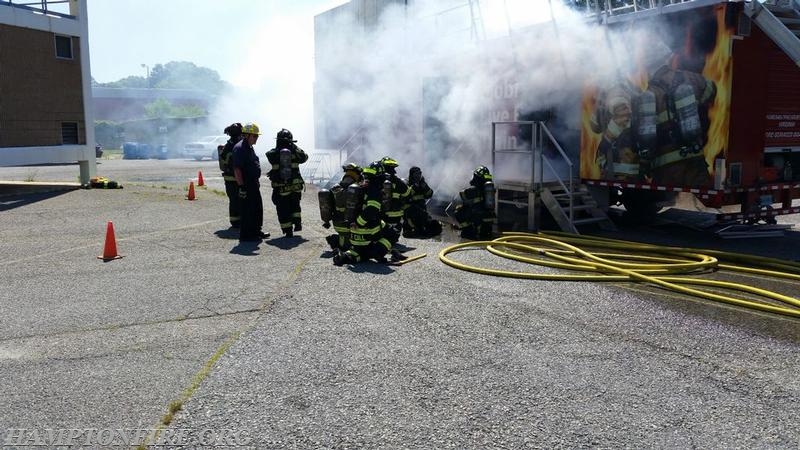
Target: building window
[
  {"x": 63, "y": 47},
  {"x": 69, "y": 133}
]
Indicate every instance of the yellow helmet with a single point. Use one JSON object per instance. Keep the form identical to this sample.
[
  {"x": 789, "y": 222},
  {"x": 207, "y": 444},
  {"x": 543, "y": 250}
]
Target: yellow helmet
[{"x": 251, "y": 128}]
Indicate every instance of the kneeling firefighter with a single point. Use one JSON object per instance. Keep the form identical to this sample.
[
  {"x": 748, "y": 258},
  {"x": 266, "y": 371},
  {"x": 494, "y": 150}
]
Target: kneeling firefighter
[
  {"x": 367, "y": 230},
  {"x": 397, "y": 200},
  {"x": 287, "y": 183},
  {"x": 225, "y": 160},
  {"x": 475, "y": 214},
  {"x": 333, "y": 207},
  {"x": 417, "y": 223}
]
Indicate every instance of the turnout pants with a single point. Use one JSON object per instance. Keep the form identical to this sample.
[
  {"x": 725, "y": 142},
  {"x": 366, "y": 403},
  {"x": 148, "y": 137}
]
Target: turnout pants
[
  {"x": 288, "y": 207},
  {"x": 252, "y": 213},
  {"x": 234, "y": 208}
]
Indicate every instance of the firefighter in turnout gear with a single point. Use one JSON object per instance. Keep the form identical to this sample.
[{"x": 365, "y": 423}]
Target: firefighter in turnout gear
[
  {"x": 287, "y": 183},
  {"x": 333, "y": 207},
  {"x": 397, "y": 203},
  {"x": 226, "y": 166},
  {"x": 247, "y": 170},
  {"x": 417, "y": 223},
  {"x": 683, "y": 100},
  {"x": 367, "y": 232},
  {"x": 475, "y": 214}
]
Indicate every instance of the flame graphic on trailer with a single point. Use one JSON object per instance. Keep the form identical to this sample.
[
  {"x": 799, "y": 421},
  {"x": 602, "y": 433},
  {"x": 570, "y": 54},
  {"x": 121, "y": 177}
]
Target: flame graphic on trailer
[{"x": 666, "y": 118}]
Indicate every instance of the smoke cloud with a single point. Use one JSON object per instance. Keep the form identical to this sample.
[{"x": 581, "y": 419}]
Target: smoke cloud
[{"x": 427, "y": 63}]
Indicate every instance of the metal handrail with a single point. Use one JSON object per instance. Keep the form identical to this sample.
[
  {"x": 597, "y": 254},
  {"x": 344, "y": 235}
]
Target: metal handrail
[
  {"x": 564, "y": 156},
  {"x": 42, "y": 9},
  {"x": 343, "y": 147}
]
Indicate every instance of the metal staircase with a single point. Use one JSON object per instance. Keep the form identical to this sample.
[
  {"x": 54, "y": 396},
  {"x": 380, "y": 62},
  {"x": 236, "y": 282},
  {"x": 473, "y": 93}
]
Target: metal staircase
[
  {"x": 583, "y": 207},
  {"x": 539, "y": 173}
]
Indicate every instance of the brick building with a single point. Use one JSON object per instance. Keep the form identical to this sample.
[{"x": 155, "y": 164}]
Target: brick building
[{"x": 45, "y": 94}]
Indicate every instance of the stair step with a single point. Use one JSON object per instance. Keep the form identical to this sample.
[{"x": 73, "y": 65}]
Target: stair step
[{"x": 589, "y": 220}]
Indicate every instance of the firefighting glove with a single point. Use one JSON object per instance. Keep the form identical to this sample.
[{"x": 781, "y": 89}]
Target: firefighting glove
[{"x": 242, "y": 193}]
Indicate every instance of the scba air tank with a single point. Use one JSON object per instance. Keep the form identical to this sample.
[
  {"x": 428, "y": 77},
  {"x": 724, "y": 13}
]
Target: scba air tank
[
  {"x": 688, "y": 117},
  {"x": 646, "y": 130},
  {"x": 285, "y": 164}
]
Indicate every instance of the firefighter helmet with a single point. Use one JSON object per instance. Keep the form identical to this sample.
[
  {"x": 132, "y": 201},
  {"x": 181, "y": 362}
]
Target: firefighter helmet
[
  {"x": 251, "y": 128},
  {"x": 285, "y": 135},
  {"x": 351, "y": 167},
  {"x": 482, "y": 172},
  {"x": 389, "y": 162},
  {"x": 373, "y": 170}
]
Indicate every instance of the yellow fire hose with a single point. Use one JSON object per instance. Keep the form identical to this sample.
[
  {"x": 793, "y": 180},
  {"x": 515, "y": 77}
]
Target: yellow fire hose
[{"x": 631, "y": 261}]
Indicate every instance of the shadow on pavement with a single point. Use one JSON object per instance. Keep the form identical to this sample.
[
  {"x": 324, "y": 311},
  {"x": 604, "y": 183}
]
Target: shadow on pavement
[
  {"x": 12, "y": 201},
  {"x": 246, "y": 248},
  {"x": 286, "y": 243},
  {"x": 227, "y": 233}
]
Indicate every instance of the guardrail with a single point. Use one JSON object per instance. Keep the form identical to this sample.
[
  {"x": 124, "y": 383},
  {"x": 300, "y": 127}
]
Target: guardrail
[{"x": 54, "y": 8}]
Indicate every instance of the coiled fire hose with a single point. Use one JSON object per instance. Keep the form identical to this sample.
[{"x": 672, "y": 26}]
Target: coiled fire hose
[{"x": 618, "y": 260}]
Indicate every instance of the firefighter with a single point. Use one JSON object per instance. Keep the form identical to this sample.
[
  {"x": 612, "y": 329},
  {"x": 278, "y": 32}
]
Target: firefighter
[
  {"x": 683, "y": 100},
  {"x": 247, "y": 171},
  {"x": 336, "y": 203},
  {"x": 616, "y": 156},
  {"x": 475, "y": 214},
  {"x": 234, "y": 131},
  {"x": 417, "y": 223},
  {"x": 367, "y": 232},
  {"x": 287, "y": 183},
  {"x": 399, "y": 194}
]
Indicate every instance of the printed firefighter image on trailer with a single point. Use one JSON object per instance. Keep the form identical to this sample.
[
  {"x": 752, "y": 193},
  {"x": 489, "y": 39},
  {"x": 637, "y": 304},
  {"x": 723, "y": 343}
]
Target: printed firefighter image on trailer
[
  {"x": 287, "y": 183},
  {"x": 654, "y": 125}
]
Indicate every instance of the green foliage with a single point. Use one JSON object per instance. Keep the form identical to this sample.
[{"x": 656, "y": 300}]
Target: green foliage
[
  {"x": 132, "y": 81},
  {"x": 108, "y": 133},
  {"x": 174, "y": 75},
  {"x": 162, "y": 108}
]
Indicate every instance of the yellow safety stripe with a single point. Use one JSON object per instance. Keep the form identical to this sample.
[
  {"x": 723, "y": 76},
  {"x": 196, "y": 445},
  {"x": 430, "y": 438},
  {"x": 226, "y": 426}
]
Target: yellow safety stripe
[
  {"x": 673, "y": 156},
  {"x": 626, "y": 168}
]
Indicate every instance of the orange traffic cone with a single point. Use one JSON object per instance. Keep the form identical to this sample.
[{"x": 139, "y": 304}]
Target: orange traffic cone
[
  {"x": 190, "y": 196},
  {"x": 200, "y": 181},
  {"x": 110, "y": 249}
]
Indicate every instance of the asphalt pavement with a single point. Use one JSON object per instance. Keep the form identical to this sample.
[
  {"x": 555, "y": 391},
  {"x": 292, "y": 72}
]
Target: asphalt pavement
[{"x": 272, "y": 346}]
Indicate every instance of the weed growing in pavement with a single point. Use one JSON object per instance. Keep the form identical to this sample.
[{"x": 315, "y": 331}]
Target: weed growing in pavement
[{"x": 31, "y": 176}]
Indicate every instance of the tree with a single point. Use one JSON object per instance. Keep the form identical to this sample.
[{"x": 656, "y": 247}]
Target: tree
[
  {"x": 162, "y": 108},
  {"x": 186, "y": 75},
  {"x": 175, "y": 75}
]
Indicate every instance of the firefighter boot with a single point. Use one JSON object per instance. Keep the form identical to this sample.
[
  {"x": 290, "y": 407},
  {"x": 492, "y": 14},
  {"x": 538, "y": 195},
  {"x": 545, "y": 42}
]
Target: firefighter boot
[{"x": 333, "y": 241}]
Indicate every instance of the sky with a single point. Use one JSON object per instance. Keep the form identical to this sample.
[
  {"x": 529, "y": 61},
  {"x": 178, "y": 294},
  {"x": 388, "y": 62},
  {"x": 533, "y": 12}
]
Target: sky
[
  {"x": 227, "y": 36},
  {"x": 261, "y": 47}
]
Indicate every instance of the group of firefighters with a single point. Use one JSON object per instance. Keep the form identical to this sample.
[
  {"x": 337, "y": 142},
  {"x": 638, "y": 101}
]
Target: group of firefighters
[{"x": 369, "y": 208}]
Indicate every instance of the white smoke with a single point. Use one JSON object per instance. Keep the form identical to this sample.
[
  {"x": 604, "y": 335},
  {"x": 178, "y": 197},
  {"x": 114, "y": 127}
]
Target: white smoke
[{"x": 374, "y": 77}]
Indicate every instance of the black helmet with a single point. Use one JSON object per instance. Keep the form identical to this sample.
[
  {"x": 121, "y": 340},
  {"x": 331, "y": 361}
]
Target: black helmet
[
  {"x": 351, "y": 166},
  {"x": 285, "y": 135},
  {"x": 480, "y": 176},
  {"x": 373, "y": 170},
  {"x": 482, "y": 172},
  {"x": 233, "y": 130}
]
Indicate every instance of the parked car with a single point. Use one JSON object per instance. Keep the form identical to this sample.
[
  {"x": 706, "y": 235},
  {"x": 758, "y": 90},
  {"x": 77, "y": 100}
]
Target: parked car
[{"x": 205, "y": 147}]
